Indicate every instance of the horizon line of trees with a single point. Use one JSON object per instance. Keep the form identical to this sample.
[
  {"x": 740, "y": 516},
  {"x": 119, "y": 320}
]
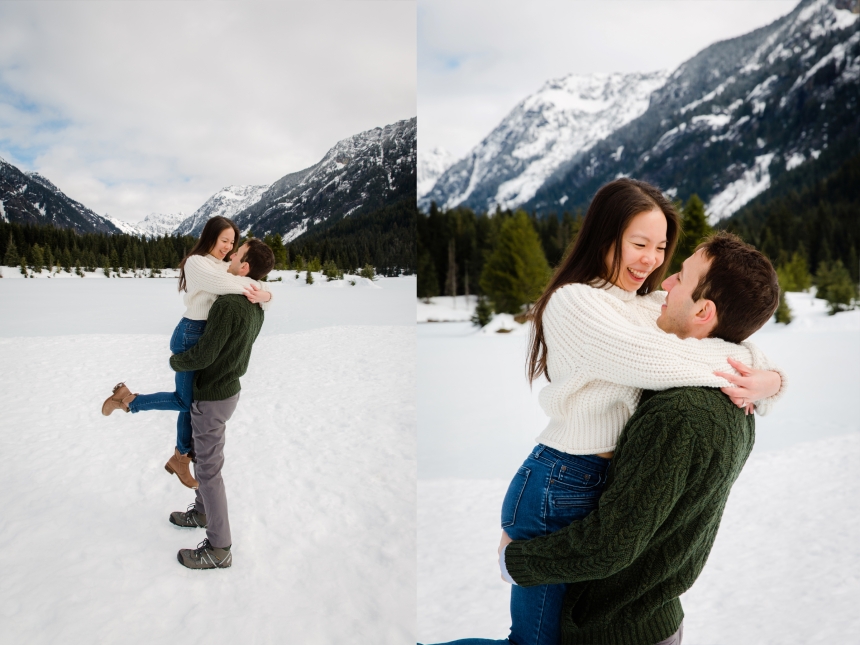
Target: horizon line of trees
[{"x": 506, "y": 258}]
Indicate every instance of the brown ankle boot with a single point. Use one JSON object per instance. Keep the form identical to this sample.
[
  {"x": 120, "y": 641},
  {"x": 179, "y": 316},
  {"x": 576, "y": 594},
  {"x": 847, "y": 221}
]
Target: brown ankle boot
[
  {"x": 178, "y": 465},
  {"x": 119, "y": 400}
]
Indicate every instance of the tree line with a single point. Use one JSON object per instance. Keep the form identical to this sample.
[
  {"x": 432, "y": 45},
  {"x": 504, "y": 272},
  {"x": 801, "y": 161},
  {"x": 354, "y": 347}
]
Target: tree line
[
  {"x": 506, "y": 258},
  {"x": 384, "y": 239},
  {"x": 47, "y": 246}
]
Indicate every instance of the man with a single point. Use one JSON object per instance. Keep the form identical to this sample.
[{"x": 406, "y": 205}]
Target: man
[
  {"x": 220, "y": 359},
  {"x": 627, "y": 563}
]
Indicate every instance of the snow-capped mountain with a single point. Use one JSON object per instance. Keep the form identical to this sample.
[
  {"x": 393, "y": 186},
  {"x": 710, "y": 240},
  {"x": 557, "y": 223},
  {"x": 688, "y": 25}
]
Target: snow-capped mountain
[
  {"x": 226, "y": 203},
  {"x": 735, "y": 118},
  {"x": 727, "y": 124},
  {"x": 30, "y": 198},
  {"x": 431, "y": 164},
  {"x": 542, "y": 134},
  {"x": 359, "y": 174}
]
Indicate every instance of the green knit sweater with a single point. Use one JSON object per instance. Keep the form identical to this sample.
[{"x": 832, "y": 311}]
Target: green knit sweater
[
  {"x": 221, "y": 355},
  {"x": 627, "y": 562}
]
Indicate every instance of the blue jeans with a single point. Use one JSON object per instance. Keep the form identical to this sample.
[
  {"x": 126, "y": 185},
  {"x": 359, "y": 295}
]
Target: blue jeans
[
  {"x": 185, "y": 336},
  {"x": 550, "y": 490}
]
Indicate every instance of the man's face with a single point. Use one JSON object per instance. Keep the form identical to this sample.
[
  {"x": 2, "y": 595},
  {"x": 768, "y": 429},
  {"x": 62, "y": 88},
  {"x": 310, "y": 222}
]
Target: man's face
[
  {"x": 680, "y": 315},
  {"x": 237, "y": 264}
]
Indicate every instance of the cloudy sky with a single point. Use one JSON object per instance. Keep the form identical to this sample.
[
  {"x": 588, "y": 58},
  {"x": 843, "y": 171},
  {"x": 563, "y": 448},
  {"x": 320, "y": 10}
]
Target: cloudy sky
[
  {"x": 140, "y": 107},
  {"x": 478, "y": 58}
]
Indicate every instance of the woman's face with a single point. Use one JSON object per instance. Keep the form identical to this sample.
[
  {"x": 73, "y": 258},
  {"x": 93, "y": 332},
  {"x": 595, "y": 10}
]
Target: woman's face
[
  {"x": 224, "y": 244},
  {"x": 643, "y": 247}
]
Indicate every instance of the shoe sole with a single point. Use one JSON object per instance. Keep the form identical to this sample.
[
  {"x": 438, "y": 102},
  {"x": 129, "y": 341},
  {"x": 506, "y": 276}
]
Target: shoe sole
[{"x": 173, "y": 472}]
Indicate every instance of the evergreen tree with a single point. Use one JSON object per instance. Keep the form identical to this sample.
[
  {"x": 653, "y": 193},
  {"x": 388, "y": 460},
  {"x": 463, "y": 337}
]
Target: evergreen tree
[
  {"x": 126, "y": 260},
  {"x": 49, "y": 259},
  {"x": 483, "y": 312},
  {"x": 37, "y": 257},
  {"x": 694, "y": 228},
  {"x": 315, "y": 265},
  {"x": 78, "y": 269},
  {"x": 22, "y": 262},
  {"x": 106, "y": 266},
  {"x": 114, "y": 261},
  {"x": 516, "y": 270},
  {"x": 12, "y": 256},
  {"x": 428, "y": 282},
  {"x": 309, "y": 279},
  {"x": 66, "y": 260},
  {"x": 368, "y": 272},
  {"x": 794, "y": 274},
  {"x": 834, "y": 285},
  {"x": 783, "y": 313}
]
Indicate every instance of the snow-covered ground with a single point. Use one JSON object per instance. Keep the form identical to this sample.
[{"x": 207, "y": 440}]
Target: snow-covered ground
[
  {"x": 320, "y": 471},
  {"x": 785, "y": 567}
]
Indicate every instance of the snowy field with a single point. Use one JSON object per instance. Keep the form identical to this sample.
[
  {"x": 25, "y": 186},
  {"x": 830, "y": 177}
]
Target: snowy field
[
  {"x": 320, "y": 470},
  {"x": 785, "y": 567}
]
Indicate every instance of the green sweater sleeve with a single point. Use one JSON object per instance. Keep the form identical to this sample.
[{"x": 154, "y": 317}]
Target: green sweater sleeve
[
  {"x": 649, "y": 475},
  {"x": 218, "y": 329}
]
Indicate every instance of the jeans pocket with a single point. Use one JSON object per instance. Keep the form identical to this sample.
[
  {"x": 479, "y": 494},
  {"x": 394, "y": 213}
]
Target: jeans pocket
[{"x": 513, "y": 496}]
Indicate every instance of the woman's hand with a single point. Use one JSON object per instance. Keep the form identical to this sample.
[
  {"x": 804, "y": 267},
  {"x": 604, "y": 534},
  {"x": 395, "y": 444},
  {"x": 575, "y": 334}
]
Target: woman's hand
[
  {"x": 505, "y": 541},
  {"x": 256, "y": 295},
  {"x": 750, "y": 385}
]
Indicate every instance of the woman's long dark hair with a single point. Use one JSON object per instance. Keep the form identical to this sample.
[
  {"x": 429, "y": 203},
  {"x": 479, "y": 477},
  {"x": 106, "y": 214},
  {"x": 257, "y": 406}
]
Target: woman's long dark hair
[
  {"x": 608, "y": 216},
  {"x": 208, "y": 238}
]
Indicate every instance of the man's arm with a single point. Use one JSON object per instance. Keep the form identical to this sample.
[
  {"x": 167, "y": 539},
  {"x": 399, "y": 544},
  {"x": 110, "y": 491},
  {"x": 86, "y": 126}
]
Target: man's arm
[
  {"x": 649, "y": 475},
  {"x": 218, "y": 329}
]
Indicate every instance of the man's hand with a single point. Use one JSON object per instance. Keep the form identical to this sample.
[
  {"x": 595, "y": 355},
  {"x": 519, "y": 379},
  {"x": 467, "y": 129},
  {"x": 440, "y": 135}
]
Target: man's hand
[
  {"x": 256, "y": 295},
  {"x": 750, "y": 385}
]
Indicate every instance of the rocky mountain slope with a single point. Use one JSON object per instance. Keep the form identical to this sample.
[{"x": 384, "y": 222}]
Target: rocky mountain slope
[
  {"x": 358, "y": 175},
  {"x": 30, "y": 198},
  {"x": 542, "y": 135},
  {"x": 226, "y": 203},
  {"x": 728, "y": 124},
  {"x": 737, "y": 117}
]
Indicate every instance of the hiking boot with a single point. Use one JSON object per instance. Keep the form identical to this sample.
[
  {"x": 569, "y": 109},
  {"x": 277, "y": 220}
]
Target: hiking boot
[
  {"x": 190, "y": 518},
  {"x": 178, "y": 465},
  {"x": 119, "y": 400},
  {"x": 205, "y": 556}
]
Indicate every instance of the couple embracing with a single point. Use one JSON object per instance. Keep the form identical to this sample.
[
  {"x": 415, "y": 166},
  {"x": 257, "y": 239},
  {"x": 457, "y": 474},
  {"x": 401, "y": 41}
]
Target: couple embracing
[
  {"x": 211, "y": 349},
  {"x": 613, "y": 514}
]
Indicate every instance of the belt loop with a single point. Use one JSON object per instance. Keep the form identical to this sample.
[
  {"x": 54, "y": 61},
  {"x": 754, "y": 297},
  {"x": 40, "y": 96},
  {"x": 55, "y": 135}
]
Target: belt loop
[{"x": 538, "y": 450}]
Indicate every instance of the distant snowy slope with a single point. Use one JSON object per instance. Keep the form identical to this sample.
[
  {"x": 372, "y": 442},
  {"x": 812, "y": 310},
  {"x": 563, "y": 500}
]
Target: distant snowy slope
[
  {"x": 736, "y": 117},
  {"x": 153, "y": 225},
  {"x": 30, "y": 198},
  {"x": 226, "y": 203},
  {"x": 547, "y": 130},
  {"x": 361, "y": 173},
  {"x": 431, "y": 165}
]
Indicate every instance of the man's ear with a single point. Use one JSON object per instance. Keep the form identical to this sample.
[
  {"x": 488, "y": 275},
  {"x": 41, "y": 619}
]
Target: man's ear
[{"x": 706, "y": 313}]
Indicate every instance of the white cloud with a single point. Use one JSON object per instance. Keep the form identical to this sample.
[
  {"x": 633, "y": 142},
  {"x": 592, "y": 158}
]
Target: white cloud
[{"x": 140, "y": 107}]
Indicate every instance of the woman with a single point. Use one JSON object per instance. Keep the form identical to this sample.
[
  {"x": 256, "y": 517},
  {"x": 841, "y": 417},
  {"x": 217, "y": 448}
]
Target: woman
[
  {"x": 595, "y": 338},
  {"x": 203, "y": 277}
]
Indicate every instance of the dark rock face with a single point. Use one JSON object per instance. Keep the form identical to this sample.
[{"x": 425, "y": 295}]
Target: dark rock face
[
  {"x": 360, "y": 174},
  {"x": 29, "y": 198}
]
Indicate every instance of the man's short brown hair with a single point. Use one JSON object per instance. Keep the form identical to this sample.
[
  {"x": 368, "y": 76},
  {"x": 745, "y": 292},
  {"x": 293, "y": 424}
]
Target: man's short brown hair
[
  {"x": 742, "y": 284},
  {"x": 259, "y": 257}
]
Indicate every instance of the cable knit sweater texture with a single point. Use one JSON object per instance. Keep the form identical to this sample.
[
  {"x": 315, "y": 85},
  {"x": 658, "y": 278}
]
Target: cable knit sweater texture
[
  {"x": 604, "y": 347},
  {"x": 206, "y": 278},
  {"x": 628, "y": 561}
]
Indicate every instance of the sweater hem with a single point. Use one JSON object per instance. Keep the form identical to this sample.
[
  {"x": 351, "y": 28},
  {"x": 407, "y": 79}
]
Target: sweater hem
[{"x": 658, "y": 627}]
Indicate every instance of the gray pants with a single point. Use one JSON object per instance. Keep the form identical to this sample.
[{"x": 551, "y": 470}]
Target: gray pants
[
  {"x": 674, "y": 639},
  {"x": 209, "y": 427}
]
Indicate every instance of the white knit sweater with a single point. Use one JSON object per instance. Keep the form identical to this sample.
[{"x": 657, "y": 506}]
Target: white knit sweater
[
  {"x": 604, "y": 347},
  {"x": 206, "y": 278}
]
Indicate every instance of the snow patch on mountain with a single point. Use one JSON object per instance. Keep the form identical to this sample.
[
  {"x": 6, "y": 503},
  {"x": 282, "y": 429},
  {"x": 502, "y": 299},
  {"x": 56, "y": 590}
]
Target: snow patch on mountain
[
  {"x": 226, "y": 203},
  {"x": 431, "y": 165},
  {"x": 754, "y": 181},
  {"x": 547, "y": 130}
]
